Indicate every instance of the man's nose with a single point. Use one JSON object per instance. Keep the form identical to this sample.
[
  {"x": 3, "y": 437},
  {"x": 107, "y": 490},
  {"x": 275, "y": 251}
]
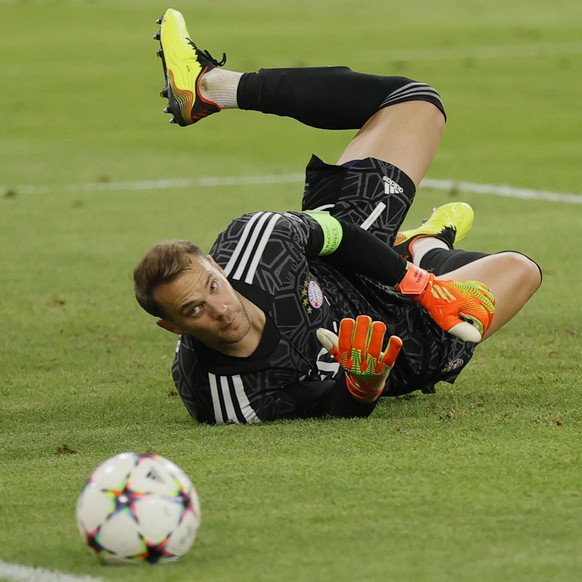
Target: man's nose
[{"x": 217, "y": 309}]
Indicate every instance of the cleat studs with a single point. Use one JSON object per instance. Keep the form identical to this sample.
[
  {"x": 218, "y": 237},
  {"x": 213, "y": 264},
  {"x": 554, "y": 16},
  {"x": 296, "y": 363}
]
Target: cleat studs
[
  {"x": 156, "y": 36},
  {"x": 164, "y": 92},
  {"x": 166, "y": 110},
  {"x": 159, "y": 20},
  {"x": 173, "y": 120},
  {"x": 160, "y": 53}
]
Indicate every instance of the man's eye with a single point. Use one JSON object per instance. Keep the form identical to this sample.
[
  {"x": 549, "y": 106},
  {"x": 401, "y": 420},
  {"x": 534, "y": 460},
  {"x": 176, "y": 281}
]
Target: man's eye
[
  {"x": 195, "y": 310},
  {"x": 214, "y": 286}
]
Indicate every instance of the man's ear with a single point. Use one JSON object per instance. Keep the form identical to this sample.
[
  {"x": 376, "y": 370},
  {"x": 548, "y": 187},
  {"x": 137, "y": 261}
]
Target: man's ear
[{"x": 169, "y": 326}]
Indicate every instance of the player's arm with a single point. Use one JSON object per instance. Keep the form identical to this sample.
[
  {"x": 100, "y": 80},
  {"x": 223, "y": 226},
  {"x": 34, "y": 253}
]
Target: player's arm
[
  {"x": 306, "y": 399},
  {"x": 451, "y": 303},
  {"x": 318, "y": 398}
]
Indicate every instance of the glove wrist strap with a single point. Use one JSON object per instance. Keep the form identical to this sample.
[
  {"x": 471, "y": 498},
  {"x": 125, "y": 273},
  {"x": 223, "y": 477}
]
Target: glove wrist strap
[
  {"x": 366, "y": 394},
  {"x": 414, "y": 282}
]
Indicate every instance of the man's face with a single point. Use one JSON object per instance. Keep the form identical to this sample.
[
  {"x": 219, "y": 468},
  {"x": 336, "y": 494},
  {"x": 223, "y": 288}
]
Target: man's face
[{"x": 201, "y": 302}]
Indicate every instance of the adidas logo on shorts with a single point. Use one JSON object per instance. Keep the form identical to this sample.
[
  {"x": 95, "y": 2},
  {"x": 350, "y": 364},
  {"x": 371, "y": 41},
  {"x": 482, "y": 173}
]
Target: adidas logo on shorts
[{"x": 391, "y": 187}]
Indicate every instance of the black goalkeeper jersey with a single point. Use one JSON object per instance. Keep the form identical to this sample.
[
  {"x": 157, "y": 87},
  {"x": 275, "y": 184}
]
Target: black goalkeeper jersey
[{"x": 270, "y": 258}]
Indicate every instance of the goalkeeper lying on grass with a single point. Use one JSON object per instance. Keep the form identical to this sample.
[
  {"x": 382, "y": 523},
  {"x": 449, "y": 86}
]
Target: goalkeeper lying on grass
[{"x": 287, "y": 315}]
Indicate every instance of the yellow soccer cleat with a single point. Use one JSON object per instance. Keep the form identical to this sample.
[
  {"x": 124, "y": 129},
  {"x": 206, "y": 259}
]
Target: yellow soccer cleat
[
  {"x": 450, "y": 223},
  {"x": 184, "y": 66}
]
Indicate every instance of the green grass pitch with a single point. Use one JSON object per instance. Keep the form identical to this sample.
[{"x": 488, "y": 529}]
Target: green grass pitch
[{"x": 479, "y": 482}]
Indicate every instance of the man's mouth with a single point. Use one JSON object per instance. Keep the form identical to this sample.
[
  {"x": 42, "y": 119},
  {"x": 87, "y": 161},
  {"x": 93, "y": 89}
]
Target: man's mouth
[{"x": 229, "y": 325}]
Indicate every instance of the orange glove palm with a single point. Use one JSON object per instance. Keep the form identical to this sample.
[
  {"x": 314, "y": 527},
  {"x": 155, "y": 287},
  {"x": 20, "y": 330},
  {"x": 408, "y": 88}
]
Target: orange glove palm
[{"x": 358, "y": 349}]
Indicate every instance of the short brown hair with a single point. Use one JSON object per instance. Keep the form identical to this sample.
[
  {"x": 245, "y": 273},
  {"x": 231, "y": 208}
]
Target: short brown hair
[{"x": 161, "y": 264}]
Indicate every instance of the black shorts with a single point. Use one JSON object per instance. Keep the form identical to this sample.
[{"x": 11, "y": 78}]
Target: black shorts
[{"x": 370, "y": 193}]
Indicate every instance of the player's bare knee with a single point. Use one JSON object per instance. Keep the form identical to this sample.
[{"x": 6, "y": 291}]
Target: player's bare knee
[
  {"x": 431, "y": 114},
  {"x": 433, "y": 119},
  {"x": 526, "y": 270}
]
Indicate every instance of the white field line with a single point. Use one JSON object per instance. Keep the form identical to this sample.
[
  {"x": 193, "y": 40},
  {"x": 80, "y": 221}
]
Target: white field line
[
  {"x": 19, "y": 573},
  {"x": 208, "y": 182},
  {"x": 505, "y": 191},
  {"x": 162, "y": 184}
]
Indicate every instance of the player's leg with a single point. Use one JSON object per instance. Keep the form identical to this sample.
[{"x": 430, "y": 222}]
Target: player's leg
[
  {"x": 379, "y": 183},
  {"x": 323, "y": 97},
  {"x": 405, "y": 134}
]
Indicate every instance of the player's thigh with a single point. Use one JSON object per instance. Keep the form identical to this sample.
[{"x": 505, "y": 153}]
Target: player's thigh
[{"x": 406, "y": 135}]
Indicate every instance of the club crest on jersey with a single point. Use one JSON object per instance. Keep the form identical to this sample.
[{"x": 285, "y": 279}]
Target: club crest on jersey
[{"x": 312, "y": 295}]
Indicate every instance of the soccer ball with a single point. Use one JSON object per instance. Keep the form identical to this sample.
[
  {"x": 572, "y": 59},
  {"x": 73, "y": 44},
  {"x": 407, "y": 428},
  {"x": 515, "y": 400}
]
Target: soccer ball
[{"x": 138, "y": 508}]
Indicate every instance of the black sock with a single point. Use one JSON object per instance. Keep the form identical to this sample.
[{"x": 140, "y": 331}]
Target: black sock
[
  {"x": 328, "y": 97},
  {"x": 441, "y": 261}
]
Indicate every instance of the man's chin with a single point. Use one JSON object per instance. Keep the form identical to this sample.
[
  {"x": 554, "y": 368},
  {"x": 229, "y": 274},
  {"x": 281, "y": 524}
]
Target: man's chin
[{"x": 233, "y": 335}]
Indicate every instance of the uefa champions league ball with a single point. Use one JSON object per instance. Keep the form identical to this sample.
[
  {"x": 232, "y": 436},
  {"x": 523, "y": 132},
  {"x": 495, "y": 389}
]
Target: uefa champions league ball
[{"x": 138, "y": 508}]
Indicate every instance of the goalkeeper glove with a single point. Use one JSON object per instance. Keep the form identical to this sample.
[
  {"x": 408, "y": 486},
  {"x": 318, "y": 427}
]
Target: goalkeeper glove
[
  {"x": 358, "y": 349},
  {"x": 463, "y": 308}
]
